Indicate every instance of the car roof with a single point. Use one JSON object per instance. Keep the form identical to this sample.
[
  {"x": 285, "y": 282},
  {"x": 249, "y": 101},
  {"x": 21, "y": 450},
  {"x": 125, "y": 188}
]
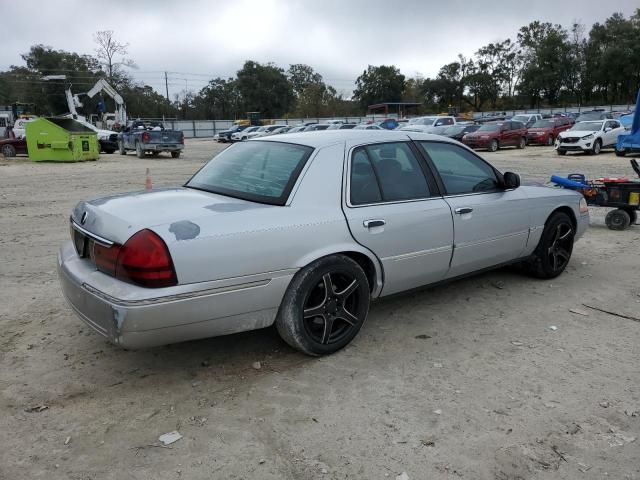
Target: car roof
[{"x": 324, "y": 138}]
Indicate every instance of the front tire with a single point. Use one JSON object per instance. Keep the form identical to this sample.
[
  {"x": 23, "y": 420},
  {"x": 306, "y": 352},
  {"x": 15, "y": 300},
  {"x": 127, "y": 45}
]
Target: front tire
[
  {"x": 553, "y": 252},
  {"x": 493, "y": 145},
  {"x": 597, "y": 147},
  {"x": 561, "y": 152},
  {"x": 522, "y": 143},
  {"x": 8, "y": 151},
  {"x": 325, "y": 306}
]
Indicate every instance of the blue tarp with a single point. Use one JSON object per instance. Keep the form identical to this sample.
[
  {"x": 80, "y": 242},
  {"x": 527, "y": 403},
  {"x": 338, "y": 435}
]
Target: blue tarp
[{"x": 631, "y": 142}]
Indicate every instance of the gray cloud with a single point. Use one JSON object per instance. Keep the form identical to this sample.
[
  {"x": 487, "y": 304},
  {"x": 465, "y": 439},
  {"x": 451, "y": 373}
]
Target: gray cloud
[{"x": 201, "y": 39}]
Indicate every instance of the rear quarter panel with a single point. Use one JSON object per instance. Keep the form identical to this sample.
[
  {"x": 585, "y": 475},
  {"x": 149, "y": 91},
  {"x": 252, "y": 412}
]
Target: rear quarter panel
[{"x": 543, "y": 202}]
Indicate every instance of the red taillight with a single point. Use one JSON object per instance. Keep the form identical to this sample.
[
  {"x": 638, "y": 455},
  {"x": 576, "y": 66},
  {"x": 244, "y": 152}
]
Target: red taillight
[
  {"x": 105, "y": 258},
  {"x": 145, "y": 137},
  {"x": 145, "y": 260}
]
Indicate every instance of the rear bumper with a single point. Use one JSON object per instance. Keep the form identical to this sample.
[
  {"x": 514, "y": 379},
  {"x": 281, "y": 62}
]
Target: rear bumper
[
  {"x": 537, "y": 139},
  {"x": 163, "y": 147},
  {"x": 141, "y": 317}
]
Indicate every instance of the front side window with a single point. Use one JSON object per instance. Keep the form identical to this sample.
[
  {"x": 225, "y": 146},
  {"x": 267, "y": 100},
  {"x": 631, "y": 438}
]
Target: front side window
[
  {"x": 257, "y": 171},
  {"x": 387, "y": 172},
  {"x": 461, "y": 171}
]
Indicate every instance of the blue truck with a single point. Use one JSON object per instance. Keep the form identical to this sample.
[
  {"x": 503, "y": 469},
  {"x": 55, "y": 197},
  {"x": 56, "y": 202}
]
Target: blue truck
[
  {"x": 630, "y": 143},
  {"x": 150, "y": 137}
]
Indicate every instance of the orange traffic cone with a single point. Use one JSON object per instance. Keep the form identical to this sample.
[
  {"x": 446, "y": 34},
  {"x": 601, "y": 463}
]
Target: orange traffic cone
[{"x": 147, "y": 182}]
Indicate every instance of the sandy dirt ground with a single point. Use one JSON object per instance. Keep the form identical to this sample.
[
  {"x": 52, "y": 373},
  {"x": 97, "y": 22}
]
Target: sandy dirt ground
[{"x": 460, "y": 381}]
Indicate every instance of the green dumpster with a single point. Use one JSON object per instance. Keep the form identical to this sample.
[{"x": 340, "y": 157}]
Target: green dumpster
[{"x": 60, "y": 140}]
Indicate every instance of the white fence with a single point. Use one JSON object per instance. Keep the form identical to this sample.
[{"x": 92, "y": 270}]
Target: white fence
[{"x": 208, "y": 128}]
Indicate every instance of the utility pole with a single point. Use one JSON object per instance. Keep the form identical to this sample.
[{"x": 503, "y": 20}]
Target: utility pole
[{"x": 166, "y": 85}]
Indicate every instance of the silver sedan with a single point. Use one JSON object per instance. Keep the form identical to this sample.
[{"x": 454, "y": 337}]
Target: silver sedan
[{"x": 304, "y": 230}]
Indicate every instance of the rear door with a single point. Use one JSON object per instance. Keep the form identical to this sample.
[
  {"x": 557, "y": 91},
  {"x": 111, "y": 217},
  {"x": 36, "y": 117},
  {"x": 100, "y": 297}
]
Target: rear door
[
  {"x": 507, "y": 134},
  {"x": 394, "y": 208},
  {"x": 491, "y": 225}
]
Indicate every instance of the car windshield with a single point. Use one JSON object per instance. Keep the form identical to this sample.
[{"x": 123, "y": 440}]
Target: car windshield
[
  {"x": 591, "y": 116},
  {"x": 490, "y": 127},
  {"x": 587, "y": 126},
  {"x": 257, "y": 171},
  {"x": 543, "y": 124},
  {"x": 521, "y": 118}
]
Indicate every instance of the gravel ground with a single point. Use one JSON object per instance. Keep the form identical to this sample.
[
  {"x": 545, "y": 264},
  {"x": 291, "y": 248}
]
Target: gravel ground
[{"x": 460, "y": 381}]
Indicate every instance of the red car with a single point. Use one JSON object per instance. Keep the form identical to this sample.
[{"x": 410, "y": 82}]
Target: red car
[
  {"x": 10, "y": 147},
  {"x": 545, "y": 132},
  {"x": 495, "y": 135}
]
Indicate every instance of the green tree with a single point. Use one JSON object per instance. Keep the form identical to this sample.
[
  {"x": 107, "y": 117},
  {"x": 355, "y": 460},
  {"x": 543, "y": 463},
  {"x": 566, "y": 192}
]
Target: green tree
[
  {"x": 379, "y": 84},
  {"x": 265, "y": 89},
  {"x": 302, "y": 76}
]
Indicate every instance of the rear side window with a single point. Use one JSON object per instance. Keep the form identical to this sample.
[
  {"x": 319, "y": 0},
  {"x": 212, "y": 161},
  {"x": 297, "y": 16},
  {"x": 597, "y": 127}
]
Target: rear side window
[
  {"x": 257, "y": 171},
  {"x": 386, "y": 172},
  {"x": 461, "y": 171}
]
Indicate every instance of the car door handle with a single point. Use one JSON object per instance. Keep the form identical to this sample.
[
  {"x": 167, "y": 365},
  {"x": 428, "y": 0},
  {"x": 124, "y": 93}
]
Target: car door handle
[
  {"x": 373, "y": 223},
  {"x": 463, "y": 210}
]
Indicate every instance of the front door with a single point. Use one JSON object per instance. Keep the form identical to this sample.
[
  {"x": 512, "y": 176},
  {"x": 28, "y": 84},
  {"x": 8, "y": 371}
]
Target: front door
[
  {"x": 393, "y": 208},
  {"x": 491, "y": 225}
]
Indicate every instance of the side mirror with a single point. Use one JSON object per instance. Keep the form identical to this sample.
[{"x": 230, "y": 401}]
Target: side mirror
[{"x": 510, "y": 180}]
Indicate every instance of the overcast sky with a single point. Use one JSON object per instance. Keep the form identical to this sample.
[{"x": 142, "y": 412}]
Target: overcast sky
[{"x": 198, "y": 40}]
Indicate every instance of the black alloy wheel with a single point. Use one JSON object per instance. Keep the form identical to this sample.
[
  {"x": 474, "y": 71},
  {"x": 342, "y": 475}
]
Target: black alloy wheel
[{"x": 325, "y": 306}]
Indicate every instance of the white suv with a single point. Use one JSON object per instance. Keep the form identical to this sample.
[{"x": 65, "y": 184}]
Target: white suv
[
  {"x": 527, "y": 118},
  {"x": 591, "y": 136}
]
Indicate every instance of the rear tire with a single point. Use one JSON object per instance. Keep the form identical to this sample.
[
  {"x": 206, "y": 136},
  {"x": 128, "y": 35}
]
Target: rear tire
[
  {"x": 522, "y": 143},
  {"x": 325, "y": 306},
  {"x": 618, "y": 219},
  {"x": 553, "y": 252},
  {"x": 139, "y": 150},
  {"x": 175, "y": 154},
  {"x": 8, "y": 151},
  {"x": 550, "y": 141}
]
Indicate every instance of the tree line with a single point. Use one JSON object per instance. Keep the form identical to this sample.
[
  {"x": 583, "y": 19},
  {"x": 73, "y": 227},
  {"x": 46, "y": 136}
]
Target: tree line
[{"x": 545, "y": 65}]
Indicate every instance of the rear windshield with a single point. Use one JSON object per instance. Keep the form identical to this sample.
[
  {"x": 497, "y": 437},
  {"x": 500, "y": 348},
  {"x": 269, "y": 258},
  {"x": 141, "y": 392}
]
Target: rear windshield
[
  {"x": 490, "y": 127},
  {"x": 263, "y": 172}
]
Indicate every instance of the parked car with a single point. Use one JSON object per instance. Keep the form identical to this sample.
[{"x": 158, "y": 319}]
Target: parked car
[
  {"x": 437, "y": 121},
  {"x": 281, "y": 130},
  {"x": 299, "y": 128},
  {"x": 456, "y": 132},
  {"x": 389, "y": 124},
  {"x": 341, "y": 126},
  {"x": 317, "y": 127},
  {"x": 367, "y": 126},
  {"x": 493, "y": 136},
  {"x": 263, "y": 131},
  {"x": 545, "y": 132},
  {"x": 10, "y": 147},
  {"x": 424, "y": 128},
  {"x": 224, "y": 136},
  {"x": 527, "y": 118},
  {"x": 242, "y": 135},
  {"x": 303, "y": 230},
  {"x": 589, "y": 137},
  {"x": 150, "y": 137},
  {"x": 593, "y": 115}
]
